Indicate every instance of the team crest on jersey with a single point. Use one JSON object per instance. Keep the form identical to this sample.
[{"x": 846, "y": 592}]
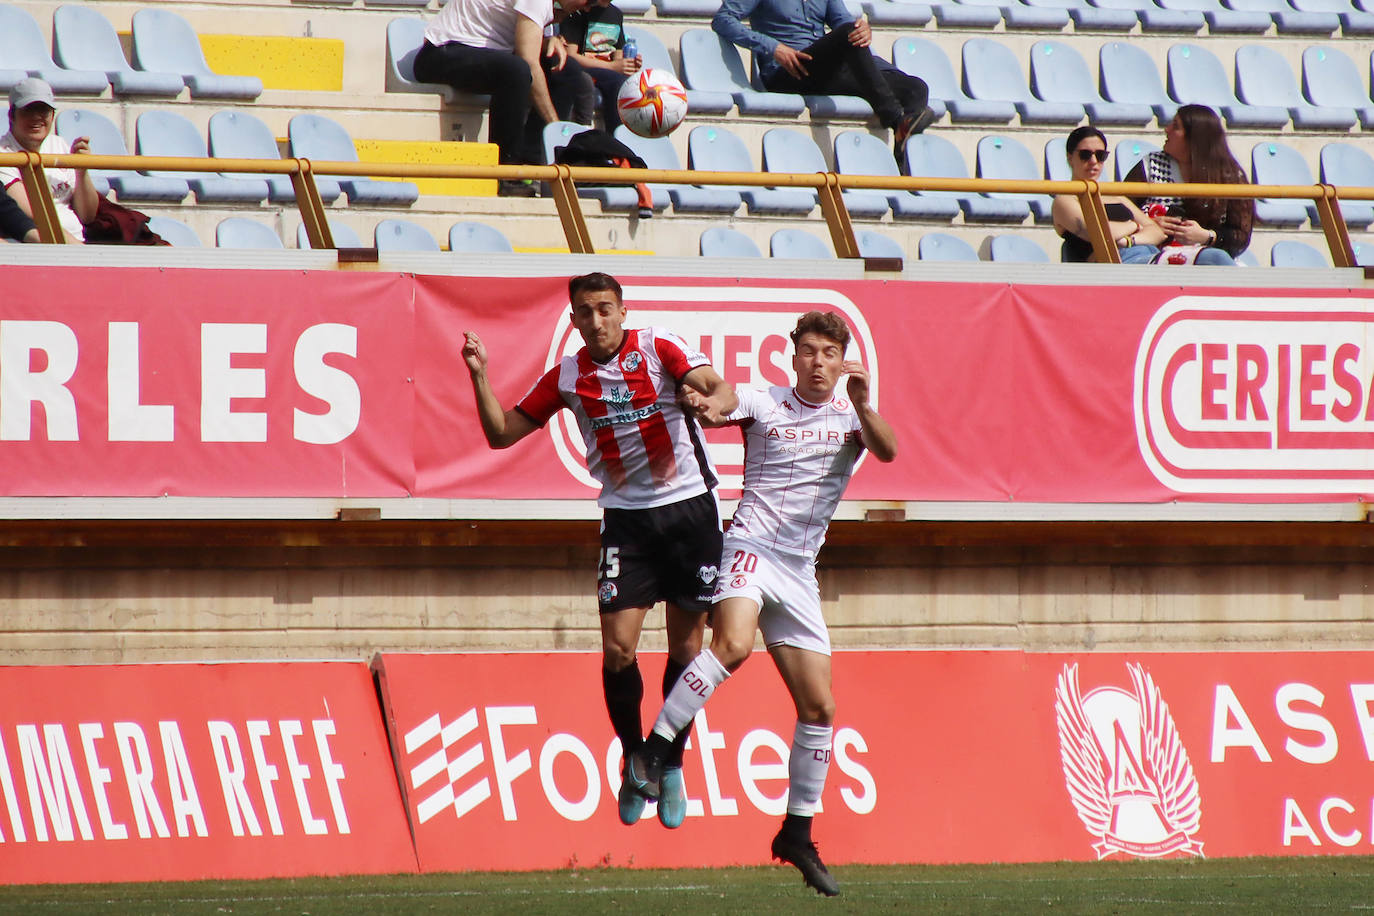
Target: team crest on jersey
[
  {"x": 607, "y": 592},
  {"x": 707, "y": 574},
  {"x": 739, "y": 582},
  {"x": 631, "y": 361},
  {"x": 841, "y": 404},
  {"x": 1126, "y": 769}
]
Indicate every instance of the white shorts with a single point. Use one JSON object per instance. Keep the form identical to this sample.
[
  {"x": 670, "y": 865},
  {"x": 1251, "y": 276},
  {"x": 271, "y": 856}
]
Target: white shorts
[{"x": 783, "y": 586}]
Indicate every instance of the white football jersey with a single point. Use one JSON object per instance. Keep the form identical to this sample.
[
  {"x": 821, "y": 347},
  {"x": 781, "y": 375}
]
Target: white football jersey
[{"x": 798, "y": 459}]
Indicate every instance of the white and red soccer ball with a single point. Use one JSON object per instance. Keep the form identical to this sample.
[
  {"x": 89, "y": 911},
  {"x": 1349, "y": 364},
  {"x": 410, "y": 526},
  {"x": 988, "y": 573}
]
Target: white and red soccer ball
[{"x": 652, "y": 103}]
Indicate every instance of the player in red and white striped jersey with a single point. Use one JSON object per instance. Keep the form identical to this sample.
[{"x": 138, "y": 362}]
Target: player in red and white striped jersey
[{"x": 660, "y": 530}]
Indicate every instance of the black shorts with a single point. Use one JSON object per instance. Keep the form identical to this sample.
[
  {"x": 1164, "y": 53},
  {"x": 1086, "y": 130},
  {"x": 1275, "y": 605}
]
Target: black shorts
[{"x": 667, "y": 553}]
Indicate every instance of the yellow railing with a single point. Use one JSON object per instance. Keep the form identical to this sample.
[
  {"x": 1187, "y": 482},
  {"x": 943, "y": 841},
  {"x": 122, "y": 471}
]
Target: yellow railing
[{"x": 563, "y": 180}]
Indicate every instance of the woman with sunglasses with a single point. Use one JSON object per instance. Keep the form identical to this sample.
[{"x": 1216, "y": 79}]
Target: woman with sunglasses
[
  {"x": 1136, "y": 235},
  {"x": 1195, "y": 150}
]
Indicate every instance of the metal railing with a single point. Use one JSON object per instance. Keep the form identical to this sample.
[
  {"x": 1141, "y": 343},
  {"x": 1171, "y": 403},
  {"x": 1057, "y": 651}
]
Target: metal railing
[{"x": 563, "y": 181}]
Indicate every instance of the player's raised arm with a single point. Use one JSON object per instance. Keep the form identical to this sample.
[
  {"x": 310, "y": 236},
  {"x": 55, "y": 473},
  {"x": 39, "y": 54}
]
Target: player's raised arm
[
  {"x": 708, "y": 396},
  {"x": 877, "y": 432},
  {"x": 502, "y": 428}
]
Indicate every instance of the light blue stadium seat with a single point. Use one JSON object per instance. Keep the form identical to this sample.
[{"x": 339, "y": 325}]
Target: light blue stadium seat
[
  {"x": 240, "y": 232},
  {"x": 687, "y": 8},
  {"x": 1355, "y": 22},
  {"x": 1056, "y": 160},
  {"x": 658, "y": 153},
  {"x": 924, "y": 58},
  {"x": 1089, "y": 18},
  {"x": 1016, "y": 249},
  {"x": 24, "y": 53},
  {"x": 613, "y": 198},
  {"x": 1016, "y": 14},
  {"x": 318, "y": 138},
  {"x": 402, "y": 235},
  {"x": 1289, "y": 253},
  {"x": 404, "y": 38},
  {"x": 876, "y": 245},
  {"x": 792, "y": 152},
  {"x": 1197, "y": 77},
  {"x": 656, "y": 57},
  {"x": 715, "y": 149},
  {"x": 635, "y": 7},
  {"x": 1350, "y": 166},
  {"x": 992, "y": 73},
  {"x": 1006, "y": 158},
  {"x": 898, "y": 13},
  {"x": 938, "y": 246},
  {"x": 1157, "y": 19},
  {"x": 174, "y": 232},
  {"x": 1128, "y": 74},
  {"x": 1129, "y": 151},
  {"x": 932, "y": 156},
  {"x": 1223, "y": 21},
  {"x": 1331, "y": 79},
  {"x": 1263, "y": 77},
  {"x": 418, "y": 3},
  {"x": 1247, "y": 259},
  {"x": 1276, "y": 163},
  {"x": 163, "y": 42},
  {"x": 861, "y": 153},
  {"x": 477, "y": 238},
  {"x": 108, "y": 141},
  {"x": 723, "y": 242},
  {"x": 83, "y": 39},
  {"x": 239, "y": 135},
  {"x": 798, "y": 244},
  {"x": 1058, "y": 73},
  {"x": 344, "y": 236},
  {"x": 712, "y": 64},
  {"x": 1288, "y": 20},
  {"x": 1364, "y": 254},
  {"x": 952, "y": 14},
  {"x": 166, "y": 133}
]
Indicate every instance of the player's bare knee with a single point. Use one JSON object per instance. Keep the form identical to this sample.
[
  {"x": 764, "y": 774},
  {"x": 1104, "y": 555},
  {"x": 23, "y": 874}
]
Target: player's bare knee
[
  {"x": 816, "y": 712},
  {"x": 731, "y": 651},
  {"x": 616, "y": 657}
]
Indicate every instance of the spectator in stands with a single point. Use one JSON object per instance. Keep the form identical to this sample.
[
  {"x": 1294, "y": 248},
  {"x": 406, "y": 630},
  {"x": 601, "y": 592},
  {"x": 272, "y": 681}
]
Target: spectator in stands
[
  {"x": 14, "y": 222},
  {"x": 33, "y": 110},
  {"x": 596, "y": 40},
  {"x": 1195, "y": 151},
  {"x": 1136, "y": 235},
  {"x": 499, "y": 47},
  {"x": 795, "y": 54}
]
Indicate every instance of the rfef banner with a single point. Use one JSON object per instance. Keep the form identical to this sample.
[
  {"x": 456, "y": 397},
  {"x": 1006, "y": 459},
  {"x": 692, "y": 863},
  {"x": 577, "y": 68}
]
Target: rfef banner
[
  {"x": 508, "y": 761},
  {"x": 189, "y": 771}
]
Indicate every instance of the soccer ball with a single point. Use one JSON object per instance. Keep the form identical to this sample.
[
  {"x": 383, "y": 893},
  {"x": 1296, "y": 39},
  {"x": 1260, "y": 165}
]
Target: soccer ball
[{"x": 652, "y": 103}]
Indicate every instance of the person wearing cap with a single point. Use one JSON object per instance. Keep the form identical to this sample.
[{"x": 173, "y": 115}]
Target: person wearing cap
[{"x": 33, "y": 110}]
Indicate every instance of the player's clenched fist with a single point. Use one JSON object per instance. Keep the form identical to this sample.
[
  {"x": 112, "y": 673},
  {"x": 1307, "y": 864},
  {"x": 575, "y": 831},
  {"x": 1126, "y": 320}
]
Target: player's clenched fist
[
  {"x": 474, "y": 352},
  {"x": 858, "y": 381}
]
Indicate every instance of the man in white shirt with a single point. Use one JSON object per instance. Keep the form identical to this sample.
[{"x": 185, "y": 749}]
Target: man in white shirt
[
  {"x": 33, "y": 111},
  {"x": 801, "y": 445}
]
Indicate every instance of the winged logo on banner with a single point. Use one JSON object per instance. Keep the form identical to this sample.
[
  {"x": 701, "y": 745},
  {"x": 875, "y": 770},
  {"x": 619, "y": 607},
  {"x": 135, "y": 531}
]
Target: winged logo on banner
[
  {"x": 1085, "y": 769},
  {"x": 1165, "y": 756}
]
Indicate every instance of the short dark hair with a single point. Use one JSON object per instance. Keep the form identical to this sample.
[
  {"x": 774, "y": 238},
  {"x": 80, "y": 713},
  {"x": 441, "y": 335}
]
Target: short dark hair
[
  {"x": 826, "y": 324},
  {"x": 1079, "y": 134},
  {"x": 594, "y": 282}
]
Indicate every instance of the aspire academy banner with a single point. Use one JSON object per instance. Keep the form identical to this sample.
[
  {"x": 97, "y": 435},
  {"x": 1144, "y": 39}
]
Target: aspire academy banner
[
  {"x": 508, "y": 761},
  {"x": 189, "y": 771}
]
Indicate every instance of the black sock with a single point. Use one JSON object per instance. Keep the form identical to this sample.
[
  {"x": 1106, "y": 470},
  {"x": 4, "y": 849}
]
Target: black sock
[
  {"x": 671, "y": 672},
  {"x": 797, "y": 827},
  {"x": 624, "y": 690}
]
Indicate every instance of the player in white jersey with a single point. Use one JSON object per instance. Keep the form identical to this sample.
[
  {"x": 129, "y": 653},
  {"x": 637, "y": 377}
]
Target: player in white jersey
[
  {"x": 660, "y": 530},
  {"x": 800, "y": 448}
]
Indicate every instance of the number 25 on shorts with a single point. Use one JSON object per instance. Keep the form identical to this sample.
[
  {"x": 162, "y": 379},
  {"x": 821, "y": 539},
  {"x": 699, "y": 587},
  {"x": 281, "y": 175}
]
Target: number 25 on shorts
[{"x": 610, "y": 562}]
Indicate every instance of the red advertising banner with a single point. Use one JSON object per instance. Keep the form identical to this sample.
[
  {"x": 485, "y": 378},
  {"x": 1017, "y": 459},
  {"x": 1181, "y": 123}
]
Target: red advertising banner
[
  {"x": 164, "y": 772},
  {"x": 508, "y": 762},
  {"x": 139, "y": 382}
]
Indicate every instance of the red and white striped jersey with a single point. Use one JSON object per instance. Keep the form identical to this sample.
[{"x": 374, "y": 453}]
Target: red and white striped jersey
[
  {"x": 641, "y": 446},
  {"x": 798, "y": 459}
]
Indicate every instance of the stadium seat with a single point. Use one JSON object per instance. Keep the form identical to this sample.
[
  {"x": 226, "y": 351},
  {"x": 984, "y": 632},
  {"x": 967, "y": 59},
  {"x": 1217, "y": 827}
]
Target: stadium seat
[
  {"x": 613, "y": 198},
  {"x": 419, "y": 3},
  {"x": 163, "y": 42},
  {"x": 1016, "y": 249},
  {"x": 174, "y": 232},
  {"x": 924, "y": 58},
  {"x": 24, "y": 52},
  {"x": 1330, "y": 78},
  {"x": 860, "y": 153},
  {"x": 404, "y": 37},
  {"x": 937, "y": 246},
  {"x": 656, "y": 57},
  {"x": 1197, "y": 77},
  {"x": 898, "y": 13},
  {"x": 316, "y": 137},
  {"x": 712, "y": 64},
  {"x": 991, "y": 73},
  {"x": 240, "y": 135},
  {"x": 1058, "y": 73},
  {"x": 344, "y": 236},
  {"x": 1007, "y": 158},
  {"x": 876, "y": 245},
  {"x": 1056, "y": 160},
  {"x": 1355, "y": 22},
  {"x": 792, "y": 152},
  {"x": 1220, "y": 19},
  {"x": 933, "y": 156},
  {"x": 166, "y": 133},
  {"x": 658, "y": 153},
  {"x": 1128, "y": 74},
  {"x": 687, "y": 8},
  {"x": 798, "y": 244},
  {"x": 1289, "y": 253},
  {"x": 402, "y": 235},
  {"x": 1155, "y": 19},
  {"x": 721, "y": 242},
  {"x": 1275, "y": 163},
  {"x": 1347, "y": 165},
  {"x": 83, "y": 39},
  {"x": 1263, "y": 77},
  {"x": 1089, "y": 18},
  {"x": 1019, "y": 15},
  {"x": 715, "y": 149},
  {"x": 1247, "y": 259},
  {"x": 108, "y": 141},
  {"x": 952, "y": 14},
  {"x": 634, "y": 7},
  {"x": 477, "y": 238},
  {"x": 239, "y": 232},
  {"x": 1289, "y": 21},
  {"x": 1129, "y": 151}
]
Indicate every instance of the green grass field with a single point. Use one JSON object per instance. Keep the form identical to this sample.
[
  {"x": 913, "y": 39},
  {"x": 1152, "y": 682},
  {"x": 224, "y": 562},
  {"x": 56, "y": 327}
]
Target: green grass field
[{"x": 1291, "y": 885}]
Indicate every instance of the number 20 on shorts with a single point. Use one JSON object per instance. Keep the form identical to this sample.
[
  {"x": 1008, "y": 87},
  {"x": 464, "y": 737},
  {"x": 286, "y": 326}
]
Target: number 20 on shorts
[{"x": 744, "y": 562}]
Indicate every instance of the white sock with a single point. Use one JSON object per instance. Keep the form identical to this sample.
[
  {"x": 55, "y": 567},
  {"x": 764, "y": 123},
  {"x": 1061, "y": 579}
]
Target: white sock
[
  {"x": 693, "y": 688},
  {"x": 806, "y": 768}
]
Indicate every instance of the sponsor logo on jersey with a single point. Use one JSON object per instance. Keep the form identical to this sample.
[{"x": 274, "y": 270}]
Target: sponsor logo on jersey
[
  {"x": 1125, "y": 767},
  {"x": 739, "y": 582},
  {"x": 707, "y": 574}
]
